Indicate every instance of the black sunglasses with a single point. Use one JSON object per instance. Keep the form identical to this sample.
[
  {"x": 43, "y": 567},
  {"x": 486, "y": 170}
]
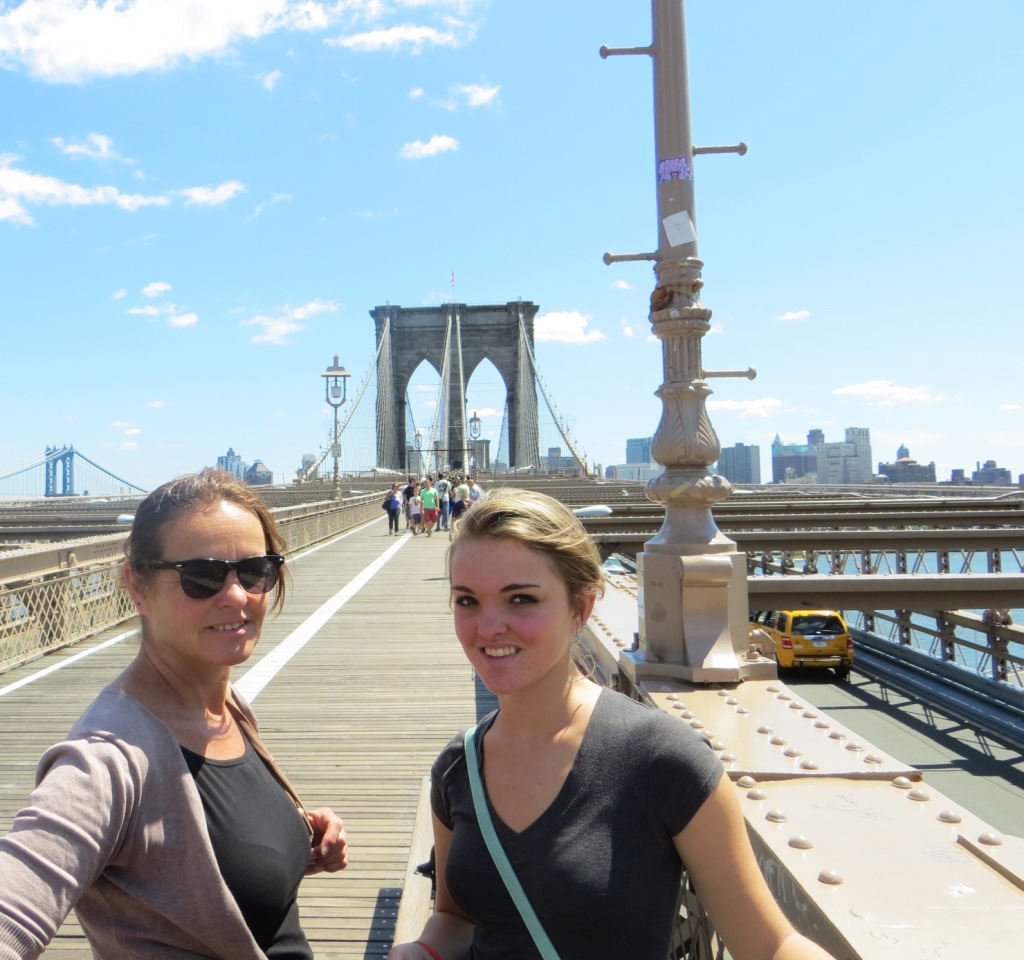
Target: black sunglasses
[{"x": 204, "y": 578}]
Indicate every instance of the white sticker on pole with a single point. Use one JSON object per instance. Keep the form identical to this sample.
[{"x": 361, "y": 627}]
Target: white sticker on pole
[{"x": 679, "y": 228}]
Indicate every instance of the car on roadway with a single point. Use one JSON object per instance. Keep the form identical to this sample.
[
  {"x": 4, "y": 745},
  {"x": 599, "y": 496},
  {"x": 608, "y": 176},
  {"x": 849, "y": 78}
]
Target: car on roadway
[{"x": 804, "y": 638}]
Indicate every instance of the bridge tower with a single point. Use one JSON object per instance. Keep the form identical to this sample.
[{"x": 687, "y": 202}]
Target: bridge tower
[
  {"x": 60, "y": 472},
  {"x": 455, "y": 338}
]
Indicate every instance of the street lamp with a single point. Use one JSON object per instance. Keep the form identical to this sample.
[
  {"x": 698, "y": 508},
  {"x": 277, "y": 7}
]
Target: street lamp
[
  {"x": 474, "y": 427},
  {"x": 335, "y": 389}
]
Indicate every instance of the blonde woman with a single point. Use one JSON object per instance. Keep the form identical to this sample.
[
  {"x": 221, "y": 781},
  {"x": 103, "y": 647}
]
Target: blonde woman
[{"x": 597, "y": 800}]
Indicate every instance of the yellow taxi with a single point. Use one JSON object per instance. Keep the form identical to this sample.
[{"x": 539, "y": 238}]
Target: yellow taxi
[{"x": 806, "y": 638}]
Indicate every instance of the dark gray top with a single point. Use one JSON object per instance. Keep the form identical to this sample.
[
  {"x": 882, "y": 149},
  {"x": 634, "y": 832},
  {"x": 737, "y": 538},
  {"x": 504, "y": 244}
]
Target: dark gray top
[
  {"x": 261, "y": 845},
  {"x": 599, "y": 865}
]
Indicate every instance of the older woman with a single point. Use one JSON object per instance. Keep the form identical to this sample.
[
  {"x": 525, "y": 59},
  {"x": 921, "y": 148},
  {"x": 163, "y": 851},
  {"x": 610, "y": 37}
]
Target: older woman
[
  {"x": 596, "y": 800},
  {"x": 162, "y": 818}
]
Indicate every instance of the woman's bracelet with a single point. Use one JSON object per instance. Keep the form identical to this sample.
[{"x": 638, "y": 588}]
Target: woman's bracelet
[{"x": 433, "y": 953}]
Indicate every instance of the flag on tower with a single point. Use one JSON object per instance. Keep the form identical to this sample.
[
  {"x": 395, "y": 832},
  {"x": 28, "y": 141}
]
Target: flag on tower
[{"x": 452, "y": 281}]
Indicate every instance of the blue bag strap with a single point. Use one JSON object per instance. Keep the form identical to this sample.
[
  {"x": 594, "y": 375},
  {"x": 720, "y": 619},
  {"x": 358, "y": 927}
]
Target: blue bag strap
[{"x": 497, "y": 852}]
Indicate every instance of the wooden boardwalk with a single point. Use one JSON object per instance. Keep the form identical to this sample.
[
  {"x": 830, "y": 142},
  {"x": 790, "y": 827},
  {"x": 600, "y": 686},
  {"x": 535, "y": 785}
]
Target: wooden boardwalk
[{"x": 355, "y": 717}]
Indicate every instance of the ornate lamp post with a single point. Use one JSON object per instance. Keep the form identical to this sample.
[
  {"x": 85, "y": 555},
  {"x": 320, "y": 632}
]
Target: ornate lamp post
[
  {"x": 693, "y": 588},
  {"x": 474, "y": 435},
  {"x": 335, "y": 389}
]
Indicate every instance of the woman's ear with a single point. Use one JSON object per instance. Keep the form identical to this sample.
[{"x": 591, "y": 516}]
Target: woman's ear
[
  {"x": 585, "y": 606},
  {"x": 134, "y": 585}
]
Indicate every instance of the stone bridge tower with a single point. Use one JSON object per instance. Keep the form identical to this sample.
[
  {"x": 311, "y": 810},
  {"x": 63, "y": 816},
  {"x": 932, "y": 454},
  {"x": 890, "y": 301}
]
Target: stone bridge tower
[{"x": 473, "y": 334}]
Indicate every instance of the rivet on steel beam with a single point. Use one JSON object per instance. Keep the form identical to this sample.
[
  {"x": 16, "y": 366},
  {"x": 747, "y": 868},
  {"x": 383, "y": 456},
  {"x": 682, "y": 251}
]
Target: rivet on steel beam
[
  {"x": 756, "y": 794},
  {"x": 717, "y": 745},
  {"x": 696, "y": 724},
  {"x": 783, "y": 696},
  {"x": 809, "y": 715},
  {"x": 990, "y": 839},
  {"x": 678, "y": 706},
  {"x": 772, "y": 688},
  {"x": 822, "y": 724},
  {"x": 808, "y": 765},
  {"x": 902, "y": 783},
  {"x": 777, "y": 741},
  {"x": 837, "y": 735},
  {"x": 706, "y": 737},
  {"x": 791, "y": 752},
  {"x": 723, "y": 693},
  {"x": 775, "y": 815},
  {"x": 746, "y": 781},
  {"x": 796, "y": 706},
  {"x": 950, "y": 816},
  {"x": 855, "y": 747},
  {"x": 831, "y": 877},
  {"x": 764, "y": 729},
  {"x": 800, "y": 842},
  {"x": 673, "y": 696},
  {"x": 919, "y": 793},
  {"x": 687, "y": 714},
  {"x": 742, "y": 710},
  {"x": 732, "y": 701},
  {"x": 873, "y": 758},
  {"x": 728, "y": 757}
]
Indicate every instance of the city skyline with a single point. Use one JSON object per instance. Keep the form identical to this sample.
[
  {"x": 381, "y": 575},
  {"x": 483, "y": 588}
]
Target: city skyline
[{"x": 195, "y": 218}]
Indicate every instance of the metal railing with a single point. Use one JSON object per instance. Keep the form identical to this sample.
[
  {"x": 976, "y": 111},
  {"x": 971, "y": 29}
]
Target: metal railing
[{"x": 51, "y": 597}]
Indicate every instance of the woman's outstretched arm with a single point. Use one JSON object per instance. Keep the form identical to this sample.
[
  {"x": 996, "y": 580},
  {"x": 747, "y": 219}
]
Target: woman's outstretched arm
[
  {"x": 449, "y": 932},
  {"x": 716, "y": 851}
]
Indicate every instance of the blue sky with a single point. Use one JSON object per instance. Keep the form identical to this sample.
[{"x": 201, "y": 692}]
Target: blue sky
[{"x": 200, "y": 203}]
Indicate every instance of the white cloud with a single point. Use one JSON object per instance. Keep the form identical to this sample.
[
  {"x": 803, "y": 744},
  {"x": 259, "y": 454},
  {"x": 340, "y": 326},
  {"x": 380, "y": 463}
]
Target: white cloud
[
  {"x": 762, "y": 407},
  {"x": 424, "y": 388},
  {"x": 184, "y": 320},
  {"x": 122, "y": 424},
  {"x": 415, "y": 93},
  {"x": 567, "y": 326},
  {"x": 212, "y": 196},
  {"x": 622, "y": 285},
  {"x": 627, "y": 327},
  {"x": 156, "y": 288},
  {"x": 476, "y": 95},
  {"x": 795, "y": 315},
  {"x": 269, "y": 80},
  {"x": 96, "y": 147},
  {"x": 314, "y": 307},
  {"x": 884, "y": 393},
  {"x": 20, "y": 187},
  {"x": 485, "y": 412},
  {"x": 119, "y": 294},
  {"x": 279, "y": 328},
  {"x": 410, "y": 35},
  {"x": 132, "y": 432},
  {"x": 128, "y": 445},
  {"x": 1010, "y": 406},
  {"x": 158, "y": 404},
  {"x": 69, "y": 41},
  {"x": 151, "y": 310},
  {"x": 417, "y": 150}
]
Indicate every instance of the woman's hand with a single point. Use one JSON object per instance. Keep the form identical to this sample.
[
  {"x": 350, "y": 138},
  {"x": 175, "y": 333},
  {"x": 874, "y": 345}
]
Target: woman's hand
[
  {"x": 409, "y": 951},
  {"x": 330, "y": 845}
]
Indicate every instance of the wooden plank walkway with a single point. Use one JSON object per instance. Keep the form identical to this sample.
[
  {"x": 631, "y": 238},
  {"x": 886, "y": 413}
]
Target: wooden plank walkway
[{"x": 355, "y": 718}]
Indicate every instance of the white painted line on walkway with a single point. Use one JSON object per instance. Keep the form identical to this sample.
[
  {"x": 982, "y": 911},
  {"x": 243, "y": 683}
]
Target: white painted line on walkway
[
  {"x": 39, "y": 674},
  {"x": 263, "y": 672}
]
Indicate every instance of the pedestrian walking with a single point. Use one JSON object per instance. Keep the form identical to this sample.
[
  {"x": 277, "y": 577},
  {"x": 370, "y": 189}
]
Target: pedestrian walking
[{"x": 428, "y": 500}]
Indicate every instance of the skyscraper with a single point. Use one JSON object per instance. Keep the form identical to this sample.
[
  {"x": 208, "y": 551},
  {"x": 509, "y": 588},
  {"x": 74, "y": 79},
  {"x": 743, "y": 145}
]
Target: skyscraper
[{"x": 740, "y": 463}]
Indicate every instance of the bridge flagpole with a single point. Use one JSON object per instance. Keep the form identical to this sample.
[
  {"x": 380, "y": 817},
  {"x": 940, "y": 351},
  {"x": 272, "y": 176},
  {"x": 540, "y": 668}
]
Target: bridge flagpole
[{"x": 692, "y": 579}]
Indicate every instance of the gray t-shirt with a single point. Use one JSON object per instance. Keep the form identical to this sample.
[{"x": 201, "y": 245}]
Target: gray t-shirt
[{"x": 599, "y": 865}]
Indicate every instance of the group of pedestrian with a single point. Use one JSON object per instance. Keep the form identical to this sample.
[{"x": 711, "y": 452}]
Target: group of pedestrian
[{"x": 431, "y": 507}]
